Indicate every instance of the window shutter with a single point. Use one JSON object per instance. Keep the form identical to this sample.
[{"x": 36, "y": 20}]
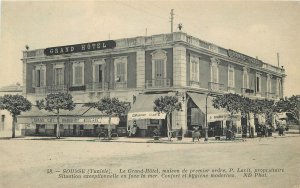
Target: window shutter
[
  {"x": 191, "y": 70},
  {"x": 96, "y": 73},
  {"x": 198, "y": 71},
  {"x": 125, "y": 71},
  {"x": 62, "y": 76},
  {"x": 80, "y": 76},
  {"x": 33, "y": 78},
  {"x": 42, "y": 78}
]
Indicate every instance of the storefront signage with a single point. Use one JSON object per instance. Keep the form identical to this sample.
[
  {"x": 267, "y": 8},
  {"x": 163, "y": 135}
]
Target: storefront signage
[
  {"x": 68, "y": 120},
  {"x": 85, "y": 47},
  {"x": 220, "y": 117},
  {"x": 146, "y": 115},
  {"x": 244, "y": 58}
]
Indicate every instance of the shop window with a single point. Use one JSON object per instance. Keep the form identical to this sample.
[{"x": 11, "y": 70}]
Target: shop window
[
  {"x": 39, "y": 76},
  {"x": 78, "y": 73},
  {"x": 154, "y": 121}
]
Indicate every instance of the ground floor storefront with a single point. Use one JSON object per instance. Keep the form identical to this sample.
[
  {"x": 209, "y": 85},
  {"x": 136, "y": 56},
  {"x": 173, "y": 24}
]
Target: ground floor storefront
[
  {"x": 197, "y": 113},
  {"x": 82, "y": 121}
]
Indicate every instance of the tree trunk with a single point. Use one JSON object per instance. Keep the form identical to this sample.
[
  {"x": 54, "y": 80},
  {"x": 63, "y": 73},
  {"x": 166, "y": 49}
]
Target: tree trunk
[
  {"x": 14, "y": 126},
  {"x": 109, "y": 128},
  {"x": 248, "y": 124},
  {"x": 169, "y": 127},
  {"x": 57, "y": 127}
]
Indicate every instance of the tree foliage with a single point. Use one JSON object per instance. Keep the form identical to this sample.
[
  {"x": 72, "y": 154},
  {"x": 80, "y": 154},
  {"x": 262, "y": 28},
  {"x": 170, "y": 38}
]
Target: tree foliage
[
  {"x": 231, "y": 102},
  {"x": 291, "y": 105},
  {"x": 57, "y": 101},
  {"x": 111, "y": 106},
  {"x": 54, "y": 102},
  {"x": 167, "y": 104},
  {"x": 15, "y": 104}
]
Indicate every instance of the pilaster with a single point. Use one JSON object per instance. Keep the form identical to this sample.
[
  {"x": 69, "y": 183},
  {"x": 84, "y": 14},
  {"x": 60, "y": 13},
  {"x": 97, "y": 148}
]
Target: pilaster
[
  {"x": 140, "y": 69},
  {"x": 179, "y": 66}
]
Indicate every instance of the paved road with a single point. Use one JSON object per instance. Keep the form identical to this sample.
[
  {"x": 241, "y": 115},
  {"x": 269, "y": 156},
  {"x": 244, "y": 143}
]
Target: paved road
[{"x": 25, "y": 163}]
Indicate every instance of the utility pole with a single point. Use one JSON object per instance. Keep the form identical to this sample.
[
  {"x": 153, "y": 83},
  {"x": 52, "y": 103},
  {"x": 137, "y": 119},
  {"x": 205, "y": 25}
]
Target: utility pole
[{"x": 172, "y": 19}]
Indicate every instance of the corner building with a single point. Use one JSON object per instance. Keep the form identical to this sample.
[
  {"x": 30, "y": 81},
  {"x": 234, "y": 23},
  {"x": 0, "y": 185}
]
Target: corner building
[{"x": 139, "y": 70}]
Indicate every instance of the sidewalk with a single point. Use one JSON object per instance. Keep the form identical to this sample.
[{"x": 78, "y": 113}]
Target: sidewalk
[{"x": 164, "y": 140}]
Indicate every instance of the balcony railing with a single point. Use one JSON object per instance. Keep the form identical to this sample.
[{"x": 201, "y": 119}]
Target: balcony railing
[
  {"x": 195, "y": 84},
  {"x": 216, "y": 86},
  {"x": 51, "y": 89},
  {"x": 271, "y": 95},
  {"x": 158, "y": 83},
  {"x": 57, "y": 89},
  {"x": 248, "y": 91},
  {"x": 96, "y": 86},
  {"x": 40, "y": 90},
  {"x": 230, "y": 89},
  {"x": 119, "y": 85}
]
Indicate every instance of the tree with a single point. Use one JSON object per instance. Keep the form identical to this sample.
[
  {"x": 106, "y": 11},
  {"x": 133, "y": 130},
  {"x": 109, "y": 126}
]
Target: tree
[
  {"x": 290, "y": 105},
  {"x": 111, "y": 107},
  {"x": 55, "y": 102},
  {"x": 167, "y": 104},
  {"x": 231, "y": 102},
  {"x": 265, "y": 107},
  {"x": 15, "y": 104}
]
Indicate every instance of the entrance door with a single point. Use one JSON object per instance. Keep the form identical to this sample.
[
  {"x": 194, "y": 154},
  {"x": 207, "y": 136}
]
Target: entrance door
[{"x": 159, "y": 73}]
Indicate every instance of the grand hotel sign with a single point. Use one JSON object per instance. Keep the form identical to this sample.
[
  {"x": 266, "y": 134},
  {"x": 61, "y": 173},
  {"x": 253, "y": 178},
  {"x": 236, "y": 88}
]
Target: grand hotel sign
[
  {"x": 245, "y": 58},
  {"x": 85, "y": 47}
]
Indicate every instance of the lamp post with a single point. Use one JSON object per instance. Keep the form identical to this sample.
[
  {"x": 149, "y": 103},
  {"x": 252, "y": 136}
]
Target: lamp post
[{"x": 206, "y": 124}]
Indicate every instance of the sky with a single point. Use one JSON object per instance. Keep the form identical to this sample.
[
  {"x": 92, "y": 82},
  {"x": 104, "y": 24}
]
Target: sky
[{"x": 258, "y": 29}]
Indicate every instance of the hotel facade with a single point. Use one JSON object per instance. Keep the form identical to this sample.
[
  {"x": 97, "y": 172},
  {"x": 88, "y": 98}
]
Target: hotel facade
[{"x": 138, "y": 70}]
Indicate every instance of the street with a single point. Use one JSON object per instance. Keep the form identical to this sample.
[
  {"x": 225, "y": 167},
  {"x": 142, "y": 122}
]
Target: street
[{"x": 266, "y": 162}]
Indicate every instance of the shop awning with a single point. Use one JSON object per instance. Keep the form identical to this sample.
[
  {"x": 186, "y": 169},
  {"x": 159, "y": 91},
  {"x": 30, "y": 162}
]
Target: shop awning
[
  {"x": 143, "y": 108},
  {"x": 213, "y": 114},
  {"x": 281, "y": 115},
  {"x": 80, "y": 115}
]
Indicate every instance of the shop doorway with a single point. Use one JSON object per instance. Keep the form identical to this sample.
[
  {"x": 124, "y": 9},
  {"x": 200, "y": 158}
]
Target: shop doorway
[
  {"x": 37, "y": 128},
  {"x": 74, "y": 130},
  {"x": 215, "y": 129},
  {"x": 164, "y": 127}
]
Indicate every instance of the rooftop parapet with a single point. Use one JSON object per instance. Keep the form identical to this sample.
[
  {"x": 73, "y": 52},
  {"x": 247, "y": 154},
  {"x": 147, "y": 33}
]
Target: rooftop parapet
[{"x": 169, "y": 38}]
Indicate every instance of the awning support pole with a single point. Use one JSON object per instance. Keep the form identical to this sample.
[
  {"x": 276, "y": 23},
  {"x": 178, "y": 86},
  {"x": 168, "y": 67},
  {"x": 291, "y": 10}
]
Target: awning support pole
[{"x": 206, "y": 124}]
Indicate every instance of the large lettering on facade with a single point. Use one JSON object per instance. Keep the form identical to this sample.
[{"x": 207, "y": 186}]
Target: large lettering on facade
[
  {"x": 85, "y": 47},
  {"x": 245, "y": 58}
]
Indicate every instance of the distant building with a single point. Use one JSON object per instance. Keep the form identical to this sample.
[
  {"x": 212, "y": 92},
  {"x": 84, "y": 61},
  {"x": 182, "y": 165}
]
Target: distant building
[
  {"x": 5, "y": 116},
  {"x": 139, "y": 70}
]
